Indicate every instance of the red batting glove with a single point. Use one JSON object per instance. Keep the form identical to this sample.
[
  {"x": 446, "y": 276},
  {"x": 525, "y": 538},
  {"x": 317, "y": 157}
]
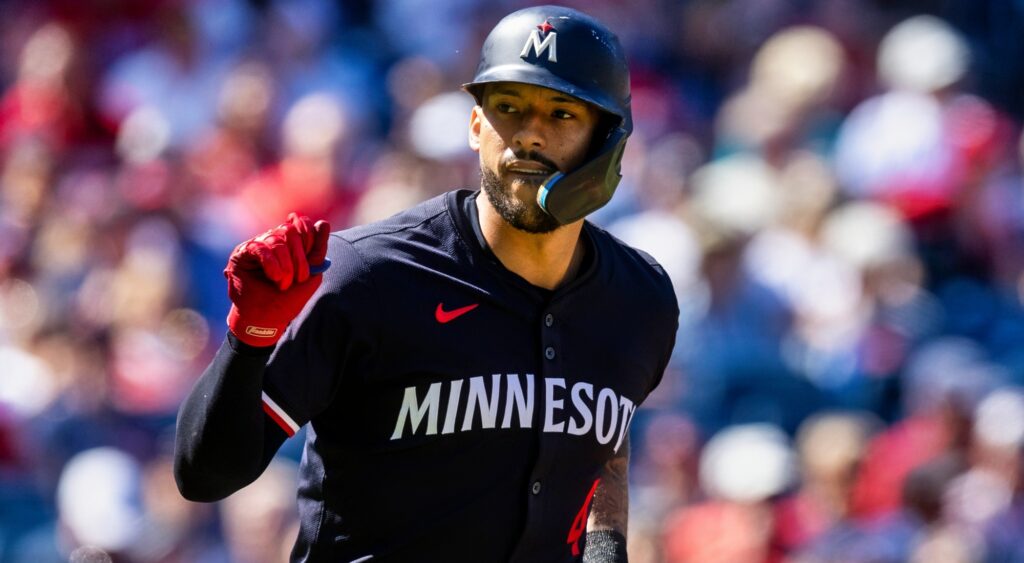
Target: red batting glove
[{"x": 269, "y": 278}]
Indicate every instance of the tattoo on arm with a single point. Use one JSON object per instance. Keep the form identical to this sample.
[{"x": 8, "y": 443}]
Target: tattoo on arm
[{"x": 610, "y": 509}]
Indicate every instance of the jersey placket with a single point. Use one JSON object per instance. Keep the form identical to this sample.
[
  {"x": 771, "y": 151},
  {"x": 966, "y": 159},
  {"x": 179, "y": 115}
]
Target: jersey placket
[{"x": 538, "y": 528}]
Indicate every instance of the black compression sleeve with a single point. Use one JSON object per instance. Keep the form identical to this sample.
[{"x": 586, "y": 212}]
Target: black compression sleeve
[
  {"x": 605, "y": 546},
  {"x": 224, "y": 440}
]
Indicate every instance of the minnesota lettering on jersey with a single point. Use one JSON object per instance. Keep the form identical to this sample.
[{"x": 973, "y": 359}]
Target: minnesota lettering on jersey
[{"x": 577, "y": 411}]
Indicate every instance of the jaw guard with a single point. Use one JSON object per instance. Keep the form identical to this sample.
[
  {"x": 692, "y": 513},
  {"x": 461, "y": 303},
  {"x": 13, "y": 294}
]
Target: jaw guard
[{"x": 570, "y": 197}]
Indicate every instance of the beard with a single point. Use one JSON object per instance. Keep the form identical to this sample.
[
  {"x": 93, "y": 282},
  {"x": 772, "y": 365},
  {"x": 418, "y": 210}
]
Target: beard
[{"x": 526, "y": 216}]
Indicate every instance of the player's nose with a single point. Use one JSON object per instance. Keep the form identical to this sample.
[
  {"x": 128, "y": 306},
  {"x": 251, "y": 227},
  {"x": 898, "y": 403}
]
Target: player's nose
[{"x": 531, "y": 134}]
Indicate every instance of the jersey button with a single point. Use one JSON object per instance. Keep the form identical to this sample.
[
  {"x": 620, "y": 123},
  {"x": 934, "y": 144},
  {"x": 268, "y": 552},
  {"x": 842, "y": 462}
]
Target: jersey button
[
  {"x": 549, "y": 320},
  {"x": 535, "y": 488},
  {"x": 549, "y": 353}
]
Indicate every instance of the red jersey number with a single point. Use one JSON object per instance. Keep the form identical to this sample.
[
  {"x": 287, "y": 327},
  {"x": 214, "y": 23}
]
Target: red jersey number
[{"x": 579, "y": 524}]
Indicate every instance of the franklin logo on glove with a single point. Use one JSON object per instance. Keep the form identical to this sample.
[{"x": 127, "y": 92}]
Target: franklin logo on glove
[{"x": 260, "y": 332}]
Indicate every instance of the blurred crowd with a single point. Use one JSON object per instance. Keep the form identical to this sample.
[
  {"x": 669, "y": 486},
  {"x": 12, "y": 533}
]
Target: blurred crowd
[{"x": 835, "y": 187}]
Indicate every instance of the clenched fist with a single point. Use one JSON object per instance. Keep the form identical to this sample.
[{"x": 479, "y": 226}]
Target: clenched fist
[{"x": 270, "y": 278}]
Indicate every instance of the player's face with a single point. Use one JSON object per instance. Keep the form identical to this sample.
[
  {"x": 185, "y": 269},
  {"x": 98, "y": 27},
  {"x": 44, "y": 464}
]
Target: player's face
[{"x": 524, "y": 134}]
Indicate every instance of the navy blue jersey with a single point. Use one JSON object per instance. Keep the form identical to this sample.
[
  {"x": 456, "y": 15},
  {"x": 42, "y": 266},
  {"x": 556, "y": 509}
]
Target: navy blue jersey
[{"x": 457, "y": 412}]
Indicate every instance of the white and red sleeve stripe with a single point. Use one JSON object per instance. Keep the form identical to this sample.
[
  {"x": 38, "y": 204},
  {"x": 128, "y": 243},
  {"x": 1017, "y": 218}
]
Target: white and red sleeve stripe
[{"x": 277, "y": 414}]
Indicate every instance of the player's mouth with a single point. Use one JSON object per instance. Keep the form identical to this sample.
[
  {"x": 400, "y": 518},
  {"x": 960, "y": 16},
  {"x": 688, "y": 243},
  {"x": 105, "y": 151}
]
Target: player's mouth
[{"x": 528, "y": 168}]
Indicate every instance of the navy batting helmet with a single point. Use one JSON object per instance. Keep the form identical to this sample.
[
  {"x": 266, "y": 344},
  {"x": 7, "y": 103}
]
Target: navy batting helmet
[{"x": 569, "y": 51}]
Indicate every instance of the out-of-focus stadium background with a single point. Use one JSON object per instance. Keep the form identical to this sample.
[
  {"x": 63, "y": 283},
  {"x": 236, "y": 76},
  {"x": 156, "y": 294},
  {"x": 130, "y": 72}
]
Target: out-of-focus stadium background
[{"x": 835, "y": 187}]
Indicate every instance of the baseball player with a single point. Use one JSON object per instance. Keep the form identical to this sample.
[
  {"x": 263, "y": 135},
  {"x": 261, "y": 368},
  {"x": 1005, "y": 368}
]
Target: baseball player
[{"x": 469, "y": 367}]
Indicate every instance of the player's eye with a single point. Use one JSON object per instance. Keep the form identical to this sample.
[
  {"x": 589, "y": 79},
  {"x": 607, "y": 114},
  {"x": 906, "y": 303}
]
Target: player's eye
[
  {"x": 505, "y": 107},
  {"x": 562, "y": 114}
]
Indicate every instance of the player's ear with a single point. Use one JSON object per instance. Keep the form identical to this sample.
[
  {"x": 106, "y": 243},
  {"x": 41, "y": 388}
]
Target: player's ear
[{"x": 474, "y": 128}]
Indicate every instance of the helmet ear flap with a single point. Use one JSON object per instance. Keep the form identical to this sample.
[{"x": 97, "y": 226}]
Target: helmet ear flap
[{"x": 607, "y": 123}]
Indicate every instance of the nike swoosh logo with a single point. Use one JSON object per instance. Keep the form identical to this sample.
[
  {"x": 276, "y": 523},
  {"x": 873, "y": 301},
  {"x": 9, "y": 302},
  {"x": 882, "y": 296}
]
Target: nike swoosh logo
[{"x": 443, "y": 316}]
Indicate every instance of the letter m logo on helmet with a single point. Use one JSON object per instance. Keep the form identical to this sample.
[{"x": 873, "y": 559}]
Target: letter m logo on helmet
[{"x": 549, "y": 43}]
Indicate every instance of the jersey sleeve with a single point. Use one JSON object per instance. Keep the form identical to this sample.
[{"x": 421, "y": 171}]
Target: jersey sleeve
[
  {"x": 334, "y": 337},
  {"x": 667, "y": 320},
  {"x": 671, "y": 327}
]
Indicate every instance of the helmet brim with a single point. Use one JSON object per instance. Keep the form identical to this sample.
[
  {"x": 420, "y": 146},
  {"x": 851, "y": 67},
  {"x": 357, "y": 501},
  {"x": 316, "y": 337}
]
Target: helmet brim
[{"x": 539, "y": 76}]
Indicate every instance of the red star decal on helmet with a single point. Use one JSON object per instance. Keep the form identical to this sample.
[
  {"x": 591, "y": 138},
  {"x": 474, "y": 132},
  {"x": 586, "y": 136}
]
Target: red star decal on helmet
[{"x": 545, "y": 27}]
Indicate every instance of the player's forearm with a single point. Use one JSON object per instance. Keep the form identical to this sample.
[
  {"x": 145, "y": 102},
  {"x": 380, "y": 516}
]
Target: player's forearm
[
  {"x": 610, "y": 510},
  {"x": 609, "y": 515},
  {"x": 223, "y": 442}
]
